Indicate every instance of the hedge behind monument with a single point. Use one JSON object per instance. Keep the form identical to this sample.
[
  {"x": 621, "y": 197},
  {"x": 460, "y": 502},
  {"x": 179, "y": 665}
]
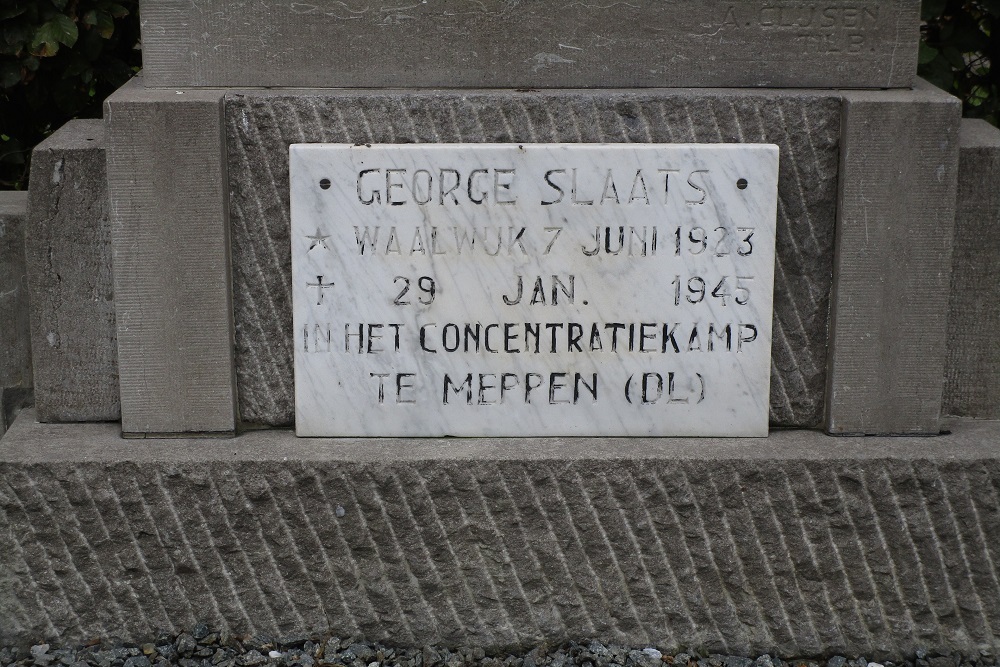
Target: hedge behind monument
[
  {"x": 59, "y": 59},
  {"x": 960, "y": 44}
]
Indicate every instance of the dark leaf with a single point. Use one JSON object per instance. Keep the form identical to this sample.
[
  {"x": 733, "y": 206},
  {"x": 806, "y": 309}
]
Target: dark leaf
[
  {"x": 927, "y": 53},
  {"x": 930, "y": 9},
  {"x": 60, "y": 29},
  {"x": 7, "y": 13},
  {"x": 938, "y": 72},
  {"x": 10, "y": 73}
]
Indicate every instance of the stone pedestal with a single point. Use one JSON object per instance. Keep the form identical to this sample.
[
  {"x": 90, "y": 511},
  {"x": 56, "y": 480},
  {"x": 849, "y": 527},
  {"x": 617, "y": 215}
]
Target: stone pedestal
[
  {"x": 798, "y": 544},
  {"x": 244, "y": 137}
]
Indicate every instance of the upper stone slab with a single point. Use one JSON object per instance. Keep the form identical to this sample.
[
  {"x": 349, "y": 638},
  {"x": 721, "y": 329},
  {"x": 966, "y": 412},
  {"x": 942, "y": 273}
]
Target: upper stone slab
[{"x": 534, "y": 44}]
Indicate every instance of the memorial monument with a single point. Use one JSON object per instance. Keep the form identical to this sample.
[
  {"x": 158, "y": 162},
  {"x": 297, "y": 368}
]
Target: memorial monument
[{"x": 312, "y": 239}]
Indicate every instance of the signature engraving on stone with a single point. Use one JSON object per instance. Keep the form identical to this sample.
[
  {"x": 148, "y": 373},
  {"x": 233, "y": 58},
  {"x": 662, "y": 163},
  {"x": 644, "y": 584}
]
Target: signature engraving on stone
[{"x": 819, "y": 28}]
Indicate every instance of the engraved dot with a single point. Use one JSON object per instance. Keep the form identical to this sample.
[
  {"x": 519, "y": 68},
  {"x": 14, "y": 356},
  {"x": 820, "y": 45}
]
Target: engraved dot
[
  {"x": 742, "y": 184},
  {"x": 585, "y": 303},
  {"x": 325, "y": 184}
]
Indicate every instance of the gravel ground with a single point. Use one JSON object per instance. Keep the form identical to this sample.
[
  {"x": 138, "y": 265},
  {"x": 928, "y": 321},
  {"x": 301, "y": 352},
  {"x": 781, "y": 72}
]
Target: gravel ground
[{"x": 204, "y": 648}]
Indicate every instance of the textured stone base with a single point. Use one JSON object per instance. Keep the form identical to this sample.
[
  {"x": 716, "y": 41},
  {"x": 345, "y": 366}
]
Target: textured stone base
[{"x": 801, "y": 544}]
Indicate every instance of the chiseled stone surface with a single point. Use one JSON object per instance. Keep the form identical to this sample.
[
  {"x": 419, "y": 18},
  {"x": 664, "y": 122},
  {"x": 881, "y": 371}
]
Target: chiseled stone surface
[
  {"x": 505, "y": 44},
  {"x": 972, "y": 373},
  {"x": 895, "y": 224},
  {"x": 799, "y": 544},
  {"x": 532, "y": 289},
  {"x": 68, "y": 246},
  {"x": 15, "y": 337},
  {"x": 261, "y": 125},
  {"x": 168, "y": 210}
]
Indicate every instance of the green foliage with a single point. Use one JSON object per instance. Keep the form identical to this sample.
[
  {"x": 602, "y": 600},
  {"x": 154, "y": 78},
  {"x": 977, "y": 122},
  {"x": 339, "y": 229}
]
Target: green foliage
[
  {"x": 59, "y": 59},
  {"x": 958, "y": 50}
]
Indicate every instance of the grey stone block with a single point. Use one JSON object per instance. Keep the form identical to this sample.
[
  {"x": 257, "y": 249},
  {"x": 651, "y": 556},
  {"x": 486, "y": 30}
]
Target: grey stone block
[
  {"x": 895, "y": 224},
  {"x": 972, "y": 379},
  {"x": 15, "y": 337},
  {"x": 798, "y": 545},
  {"x": 260, "y": 126},
  {"x": 167, "y": 184},
  {"x": 502, "y": 44},
  {"x": 68, "y": 251}
]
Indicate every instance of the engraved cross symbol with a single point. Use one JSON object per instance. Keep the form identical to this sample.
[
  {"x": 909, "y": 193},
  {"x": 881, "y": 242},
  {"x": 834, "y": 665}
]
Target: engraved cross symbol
[{"x": 319, "y": 288}]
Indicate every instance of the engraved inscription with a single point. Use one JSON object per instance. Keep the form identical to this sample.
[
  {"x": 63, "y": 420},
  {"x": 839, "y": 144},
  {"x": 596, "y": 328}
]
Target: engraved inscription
[
  {"x": 822, "y": 28},
  {"x": 533, "y": 289}
]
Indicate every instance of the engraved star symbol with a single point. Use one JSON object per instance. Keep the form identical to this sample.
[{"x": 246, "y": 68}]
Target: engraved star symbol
[{"x": 318, "y": 240}]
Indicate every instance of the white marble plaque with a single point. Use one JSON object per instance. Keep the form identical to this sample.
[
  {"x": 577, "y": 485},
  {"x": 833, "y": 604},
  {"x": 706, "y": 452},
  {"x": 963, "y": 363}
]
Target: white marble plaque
[{"x": 532, "y": 290}]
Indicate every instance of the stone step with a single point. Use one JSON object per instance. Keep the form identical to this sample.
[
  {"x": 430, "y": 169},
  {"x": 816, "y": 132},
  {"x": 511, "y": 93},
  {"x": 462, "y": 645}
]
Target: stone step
[{"x": 800, "y": 544}]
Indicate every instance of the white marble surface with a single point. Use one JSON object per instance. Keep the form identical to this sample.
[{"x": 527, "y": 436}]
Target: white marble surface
[{"x": 604, "y": 361}]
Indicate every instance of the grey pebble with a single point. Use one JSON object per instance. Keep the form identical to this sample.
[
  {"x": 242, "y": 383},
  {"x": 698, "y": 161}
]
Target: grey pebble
[
  {"x": 362, "y": 652},
  {"x": 186, "y": 645},
  {"x": 40, "y": 655},
  {"x": 643, "y": 659},
  {"x": 252, "y": 658}
]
